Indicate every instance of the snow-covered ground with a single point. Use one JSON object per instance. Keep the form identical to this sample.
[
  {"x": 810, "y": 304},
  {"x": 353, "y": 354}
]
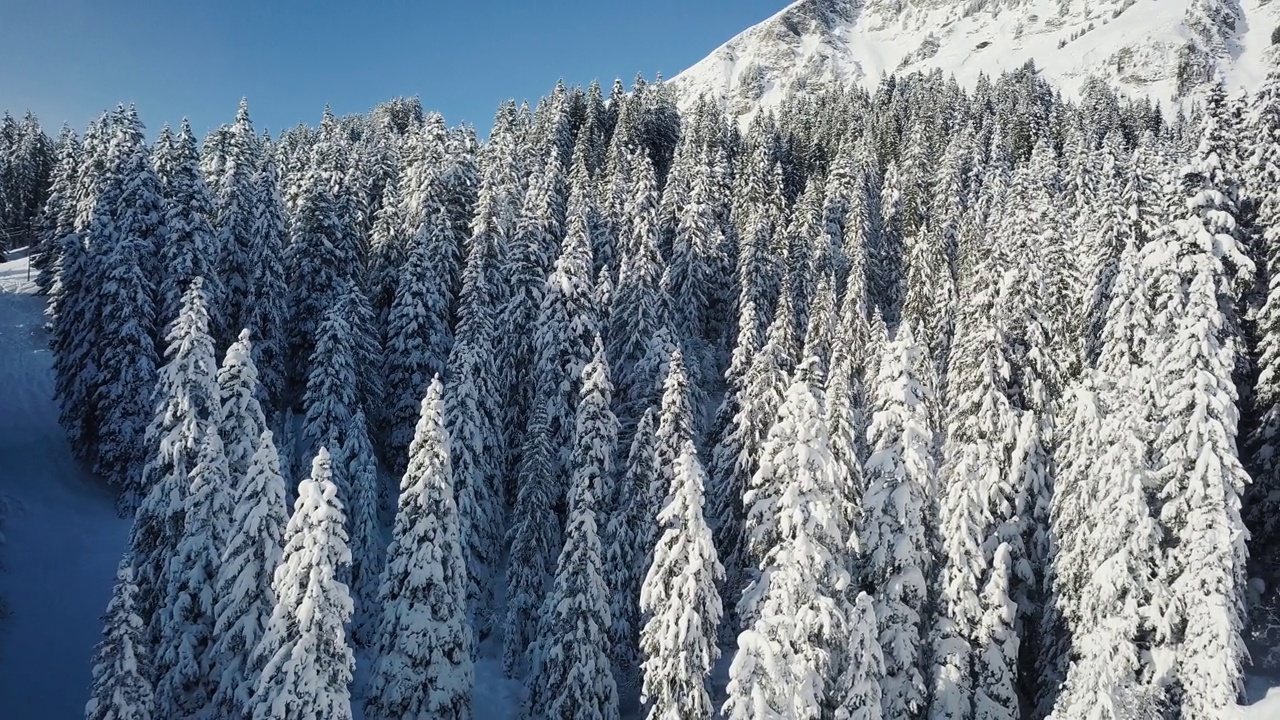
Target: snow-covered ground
[{"x": 64, "y": 538}]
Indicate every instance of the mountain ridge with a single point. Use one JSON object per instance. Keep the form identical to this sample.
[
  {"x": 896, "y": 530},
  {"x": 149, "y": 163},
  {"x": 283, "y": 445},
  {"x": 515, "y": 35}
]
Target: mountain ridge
[{"x": 1165, "y": 49}]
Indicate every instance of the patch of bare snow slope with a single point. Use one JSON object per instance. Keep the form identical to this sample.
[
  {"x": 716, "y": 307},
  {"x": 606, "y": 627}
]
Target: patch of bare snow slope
[{"x": 64, "y": 537}]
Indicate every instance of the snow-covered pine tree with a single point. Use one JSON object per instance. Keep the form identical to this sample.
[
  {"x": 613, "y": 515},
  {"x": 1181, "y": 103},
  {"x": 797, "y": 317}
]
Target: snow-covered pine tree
[
  {"x": 790, "y": 658},
  {"x": 186, "y": 406},
  {"x": 121, "y": 689},
  {"x": 333, "y": 391},
  {"x": 242, "y": 589},
  {"x": 317, "y": 263},
  {"x": 1263, "y": 170},
  {"x": 472, "y": 413},
  {"x": 233, "y": 213},
  {"x": 980, "y": 437},
  {"x": 567, "y": 322},
  {"x": 183, "y": 663},
  {"x": 266, "y": 311},
  {"x": 679, "y": 597},
  {"x": 304, "y": 661},
  {"x": 418, "y": 334},
  {"x": 886, "y": 256},
  {"x": 365, "y": 530},
  {"x": 1108, "y": 546},
  {"x": 534, "y": 538},
  {"x": 688, "y": 277},
  {"x": 639, "y": 309},
  {"x": 995, "y": 681},
  {"x": 900, "y": 476},
  {"x": 389, "y": 238},
  {"x": 123, "y": 234},
  {"x": 240, "y": 418},
  {"x": 188, "y": 248},
  {"x": 531, "y": 256},
  {"x": 736, "y": 458},
  {"x": 424, "y": 667},
  {"x": 571, "y": 674},
  {"x": 57, "y": 216},
  {"x": 1200, "y": 478},
  {"x": 863, "y": 698},
  {"x": 629, "y": 534},
  {"x": 73, "y": 340}
]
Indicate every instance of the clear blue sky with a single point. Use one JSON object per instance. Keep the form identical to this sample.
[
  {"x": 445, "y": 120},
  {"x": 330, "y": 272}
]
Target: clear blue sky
[{"x": 67, "y": 60}]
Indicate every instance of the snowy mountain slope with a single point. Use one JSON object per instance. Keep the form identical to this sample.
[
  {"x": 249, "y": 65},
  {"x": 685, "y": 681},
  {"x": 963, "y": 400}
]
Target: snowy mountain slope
[
  {"x": 64, "y": 537},
  {"x": 1160, "y": 48}
]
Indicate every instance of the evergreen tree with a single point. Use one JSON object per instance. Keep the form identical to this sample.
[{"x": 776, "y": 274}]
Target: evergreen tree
[
  {"x": 242, "y": 588},
  {"x": 790, "y": 659},
  {"x": 240, "y": 418},
  {"x": 566, "y": 324},
  {"x": 233, "y": 214},
  {"x": 303, "y": 655},
  {"x": 186, "y": 407},
  {"x": 266, "y": 312},
  {"x": 1263, "y": 506},
  {"x": 73, "y": 339},
  {"x": 419, "y": 335},
  {"x": 317, "y": 261},
  {"x": 187, "y": 249},
  {"x": 57, "y": 216},
  {"x": 736, "y": 458},
  {"x": 123, "y": 231},
  {"x": 980, "y": 437},
  {"x": 571, "y": 674},
  {"x": 472, "y": 413},
  {"x": 996, "y": 657},
  {"x": 900, "y": 481},
  {"x": 121, "y": 690},
  {"x": 1200, "y": 478},
  {"x": 366, "y": 534},
  {"x": 333, "y": 392},
  {"x": 638, "y": 307},
  {"x": 863, "y": 701},
  {"x": 679, "y": 595},
  {"x": 534, "y": 537},
  {"x": 630, "y": 535},
  {"x": 183, "y": 663},
  {"x": 424, "y": 666}
]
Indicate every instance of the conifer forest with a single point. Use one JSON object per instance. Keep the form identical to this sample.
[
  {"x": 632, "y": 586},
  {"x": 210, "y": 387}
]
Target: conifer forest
[{"x": 927, "y": 402}]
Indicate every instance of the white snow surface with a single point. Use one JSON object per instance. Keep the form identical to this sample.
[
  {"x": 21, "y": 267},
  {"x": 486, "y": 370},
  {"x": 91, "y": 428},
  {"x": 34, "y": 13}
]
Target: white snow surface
[
  {"x": 64, "y": 537},
  {"x": 1135, "y": 44}
]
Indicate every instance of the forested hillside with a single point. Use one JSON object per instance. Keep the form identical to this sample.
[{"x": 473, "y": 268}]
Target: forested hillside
[{"x": 931, "y": 402}]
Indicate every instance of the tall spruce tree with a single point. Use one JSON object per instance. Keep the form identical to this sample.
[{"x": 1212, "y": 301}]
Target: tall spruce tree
[
  {"x": 424, "y": 666},
  {"x": 266, "y": 309},
  {"x": 183, "y": 663},
  {"x": 900, "y": 477},
  {"x": 1200, "y": 477},
  {"x": 304, "y": 661},
  {"x": 365, "y": 529},
  {"x": 188, "y": 248},
  {"x": 233, "y": 214},
  {"x": 121, "y": 689},
  {"x": 418, "y": 335},
  {"x": 680, "y": 598},
  {"x": 571, "y": 674},
  {"x": 790, "y": 658},
  {"x": 242, "y": 587}
]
